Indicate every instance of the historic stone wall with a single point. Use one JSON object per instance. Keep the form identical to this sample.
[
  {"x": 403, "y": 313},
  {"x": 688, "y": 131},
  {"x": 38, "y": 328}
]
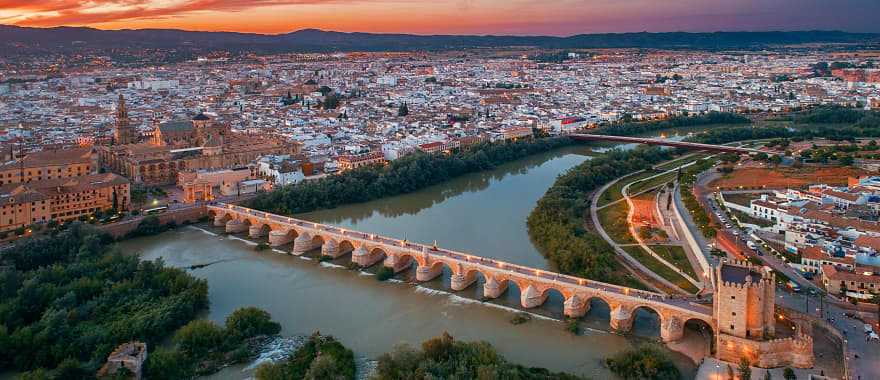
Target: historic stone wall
[
  {"x": 181, "y": 216},
  {"x": 796, "y": 351}
]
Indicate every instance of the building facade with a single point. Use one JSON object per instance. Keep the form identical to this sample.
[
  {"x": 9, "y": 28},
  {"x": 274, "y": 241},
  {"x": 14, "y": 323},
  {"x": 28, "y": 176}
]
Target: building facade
[
  {"x": 61, "y": 199},
  {"x": 188, "y": 145},
  {"x": 49, "y": 164}
]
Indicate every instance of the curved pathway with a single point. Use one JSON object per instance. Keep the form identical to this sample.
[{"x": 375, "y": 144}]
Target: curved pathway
[
  {"x": 639, "y": 240},
  {"x": 631, "y": 261}
]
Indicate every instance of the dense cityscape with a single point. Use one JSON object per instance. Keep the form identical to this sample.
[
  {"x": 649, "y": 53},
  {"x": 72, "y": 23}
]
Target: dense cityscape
[{"x": 443, "y": 207}]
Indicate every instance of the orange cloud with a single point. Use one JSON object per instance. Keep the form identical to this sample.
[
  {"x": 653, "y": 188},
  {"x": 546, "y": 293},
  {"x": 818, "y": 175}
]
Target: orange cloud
[{"x": 75, "y": 12}]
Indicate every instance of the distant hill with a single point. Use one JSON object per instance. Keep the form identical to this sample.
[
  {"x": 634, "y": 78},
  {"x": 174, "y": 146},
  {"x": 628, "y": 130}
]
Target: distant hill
[{"x": 64, "y": 39}]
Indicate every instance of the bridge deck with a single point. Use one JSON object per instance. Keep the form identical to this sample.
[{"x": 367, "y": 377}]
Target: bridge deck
[
  {"x": 665, "y": 142},
  {"x": 486, "y": 263}
]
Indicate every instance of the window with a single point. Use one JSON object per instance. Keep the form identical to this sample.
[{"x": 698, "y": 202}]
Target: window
[
  {"x": 731, "y": 327},
  {"x": 734, "y": 313},
  {"x": 733, "y": 297}
]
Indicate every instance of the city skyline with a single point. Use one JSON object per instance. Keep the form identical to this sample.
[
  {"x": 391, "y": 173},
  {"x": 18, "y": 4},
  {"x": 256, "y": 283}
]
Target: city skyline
[{"x": 561, "y": 18}]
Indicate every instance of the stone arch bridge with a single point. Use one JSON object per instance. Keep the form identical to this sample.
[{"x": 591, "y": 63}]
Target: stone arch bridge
[{"x": 535, "y": 284}]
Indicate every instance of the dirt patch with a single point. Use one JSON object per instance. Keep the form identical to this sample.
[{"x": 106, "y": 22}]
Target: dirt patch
[
  {"x": 750, "y": 178},
  {"x": 643, "y": 211}
]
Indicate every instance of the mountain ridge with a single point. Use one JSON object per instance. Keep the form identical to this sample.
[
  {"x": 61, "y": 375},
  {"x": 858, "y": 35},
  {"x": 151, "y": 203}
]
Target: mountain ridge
[{"x": 68, "y": 38}]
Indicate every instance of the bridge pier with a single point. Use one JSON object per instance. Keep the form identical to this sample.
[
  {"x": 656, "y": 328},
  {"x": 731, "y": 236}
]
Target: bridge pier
[
  {"x": 302, "y": 244},
  {"x": 463, "y": 279},
  {"x": 236, "y": 226},
  {"x": 255, "y": 232},
  {"x": 397, "y": 263},
  {"x": 621, "y": 318},
  {"x": 671, "y": 329},
  {"x": 532, "y": 297},
  {"x": 428, "y": 272},
  {"x": 494, "y": 288},
  {"x": 576, "y": 307},
  {"x": 361, "y": 256},
  {"x": 220, "y": 220},
  {"x": 278, "y": 238}
]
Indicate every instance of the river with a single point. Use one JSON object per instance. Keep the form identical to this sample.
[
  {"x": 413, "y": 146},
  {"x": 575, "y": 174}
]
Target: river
[{"x": 484, "y": 214}]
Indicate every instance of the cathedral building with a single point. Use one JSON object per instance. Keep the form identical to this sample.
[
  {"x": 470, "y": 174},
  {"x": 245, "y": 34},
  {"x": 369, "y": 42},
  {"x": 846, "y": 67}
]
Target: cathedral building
[{"x": 183, "y": 145}]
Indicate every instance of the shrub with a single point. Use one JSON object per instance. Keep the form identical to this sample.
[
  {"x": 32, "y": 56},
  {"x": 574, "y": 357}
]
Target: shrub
[
  {"x": 199, "y": 337},
  {"x": 644, "y": 362},
  {"x": 248, "y": 322}
]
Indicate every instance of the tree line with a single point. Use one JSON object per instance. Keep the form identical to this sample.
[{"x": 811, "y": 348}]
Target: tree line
[
  {"x": 404, "y": 175},
  {"x": 636, "y": 128}
]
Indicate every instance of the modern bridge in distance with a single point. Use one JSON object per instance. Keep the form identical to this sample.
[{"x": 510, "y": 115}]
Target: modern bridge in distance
[
  {"x": 534, "y": 284},
  {"x": 665, "y": 142}
]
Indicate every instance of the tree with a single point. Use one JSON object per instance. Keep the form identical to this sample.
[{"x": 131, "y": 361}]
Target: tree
[
  {"x": 330, "y": 102},
  {"x": 247, "y": 322},
  {"x": 761, "y": 156},
  {"x": 403, "y": 110},
  {"x": 729, "y": 157},
  {"x": 745, "y": 369},
  {"x": 643, "y": 362},
  {"x": 167, "y": 364},
  {"x": 775, "y": 159},
  {"x": 846, "y": 160},
  {"x": 199, "y": 337},
  {"x": 788, "y": 374}
]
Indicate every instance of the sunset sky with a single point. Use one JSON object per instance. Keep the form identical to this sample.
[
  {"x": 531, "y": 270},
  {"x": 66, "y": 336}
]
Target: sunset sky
[{"x": 524, "y": 17}]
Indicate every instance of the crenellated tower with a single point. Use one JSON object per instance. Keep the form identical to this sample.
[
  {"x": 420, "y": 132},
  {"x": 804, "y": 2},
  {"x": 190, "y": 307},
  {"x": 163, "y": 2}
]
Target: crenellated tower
[{"x": 744, "y": 300}]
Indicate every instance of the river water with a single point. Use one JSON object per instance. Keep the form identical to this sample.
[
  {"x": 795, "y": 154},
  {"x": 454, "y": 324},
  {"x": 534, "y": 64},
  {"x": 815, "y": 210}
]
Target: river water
[{"x": 484, "y": 214}]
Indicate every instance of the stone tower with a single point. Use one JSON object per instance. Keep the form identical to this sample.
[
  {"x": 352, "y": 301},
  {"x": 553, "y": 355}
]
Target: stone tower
[
  {"x": 744, "y": 301},
  {"x": 744, "y": 312},
  {"x": 123, "y": 133}
]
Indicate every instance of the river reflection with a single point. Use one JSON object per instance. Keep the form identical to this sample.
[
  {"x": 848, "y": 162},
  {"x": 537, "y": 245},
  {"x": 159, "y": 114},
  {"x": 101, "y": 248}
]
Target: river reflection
[{"x": 481, "y": 213}]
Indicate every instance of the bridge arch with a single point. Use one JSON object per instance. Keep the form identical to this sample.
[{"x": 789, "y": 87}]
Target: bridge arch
[
  {"x": 647, "y": 320},
  {"x": 554, "y": 300},
  {"x": 598, "y": 307},
  {"x": 318, "y": 240}
]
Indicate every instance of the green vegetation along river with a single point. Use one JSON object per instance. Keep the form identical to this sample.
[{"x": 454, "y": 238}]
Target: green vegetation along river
[{"x": 483, "y": 213}]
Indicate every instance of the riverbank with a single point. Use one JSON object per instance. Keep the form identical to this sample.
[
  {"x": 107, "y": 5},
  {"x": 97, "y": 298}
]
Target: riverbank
[
  {"x": 469, "y": 213},
  {"x": 388, "y": 313}
]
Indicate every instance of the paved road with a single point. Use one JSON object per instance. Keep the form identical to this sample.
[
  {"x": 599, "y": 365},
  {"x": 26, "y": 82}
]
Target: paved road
[{"x": 867, "y": 365}]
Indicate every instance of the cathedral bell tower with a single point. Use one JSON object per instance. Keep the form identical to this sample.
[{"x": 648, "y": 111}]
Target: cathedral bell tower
[{"x": 123, "y": 133}]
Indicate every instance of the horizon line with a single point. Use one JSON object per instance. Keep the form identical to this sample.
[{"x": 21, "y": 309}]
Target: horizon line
[{"x": 435, "y": 34}]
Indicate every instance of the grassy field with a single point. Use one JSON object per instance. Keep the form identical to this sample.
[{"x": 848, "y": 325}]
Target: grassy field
[
  {"x": 612, "y": 194},
  {"x": 657, "y": 267},
  {"x": 613, "y": 219},
  {"x": 678, "y": 161},
  {"x": 675, "y": 255},
  {"x": 741, "y": 199},
  {"x": 653, "y": 182},
  {"x": 746, "y": 218}
]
